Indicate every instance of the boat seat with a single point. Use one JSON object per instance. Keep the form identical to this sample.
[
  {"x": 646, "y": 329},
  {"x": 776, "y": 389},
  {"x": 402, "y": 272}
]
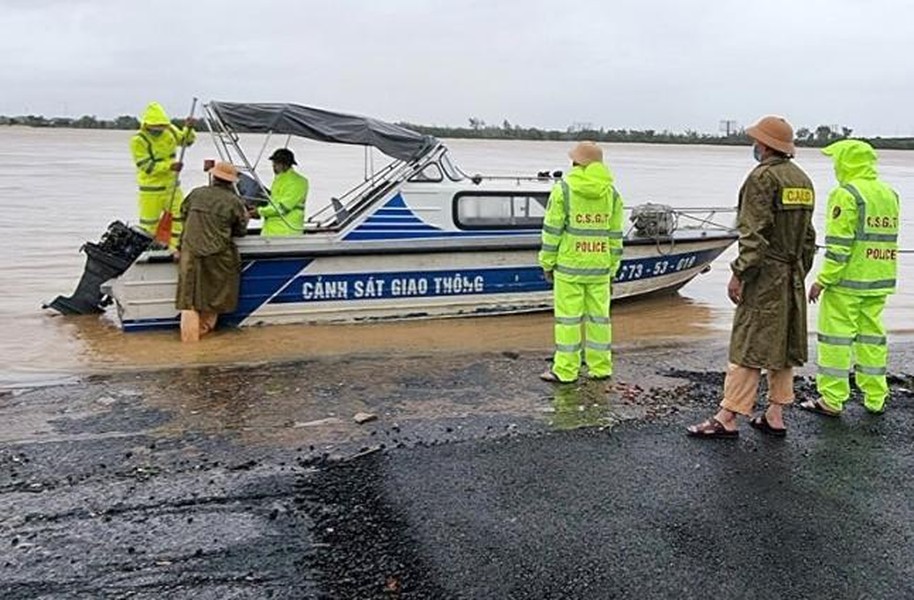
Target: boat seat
[
  {"x": 250, "y": 190},
  {"x": 339, "y": 210}
]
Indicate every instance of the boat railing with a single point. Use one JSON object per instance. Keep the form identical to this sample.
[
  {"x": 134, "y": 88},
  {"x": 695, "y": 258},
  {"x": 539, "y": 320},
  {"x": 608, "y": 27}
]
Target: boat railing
[
  {"x": 665, "y": 225},
  {"x": 706, "y": 217},
  {"x": 351, "y": 202},
  {"x": 541, "y": 178}
]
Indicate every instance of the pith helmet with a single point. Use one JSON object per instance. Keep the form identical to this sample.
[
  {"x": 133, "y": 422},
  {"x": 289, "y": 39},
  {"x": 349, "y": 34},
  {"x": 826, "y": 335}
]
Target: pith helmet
[
  {"x": 585, "y": 153},
  {"x": 775, "y": 132},
  {"x": 224, "y": 171}
]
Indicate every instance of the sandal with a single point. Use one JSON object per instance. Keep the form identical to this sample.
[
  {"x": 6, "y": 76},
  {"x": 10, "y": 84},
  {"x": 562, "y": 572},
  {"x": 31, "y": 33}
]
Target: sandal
[
  {"x": 761, "y": 423},
  {"x": 816, "y": 406},
  {"x": 552, "y": 377},
  {"x": 712, "y": 428}
]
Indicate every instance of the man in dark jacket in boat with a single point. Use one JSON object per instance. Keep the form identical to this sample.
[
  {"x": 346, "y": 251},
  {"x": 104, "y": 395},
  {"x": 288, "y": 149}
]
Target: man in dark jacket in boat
[
  {"x": 285, "y": 214},
  {"x": 209, "y": 263},
  {"x": 777, "y": 244}
]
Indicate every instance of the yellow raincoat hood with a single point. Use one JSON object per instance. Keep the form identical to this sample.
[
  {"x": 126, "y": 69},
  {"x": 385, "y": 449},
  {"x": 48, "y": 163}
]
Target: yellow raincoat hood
[
  {"x": 591, "y": 182},
  {"x": 854, "y": 159},
  {"x": 155, "y": 115}
]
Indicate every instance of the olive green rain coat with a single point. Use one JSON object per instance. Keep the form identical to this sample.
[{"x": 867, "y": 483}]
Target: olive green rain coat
[
  {"x": 209, "y": 271},
  {"x": 777, "y": 244}
]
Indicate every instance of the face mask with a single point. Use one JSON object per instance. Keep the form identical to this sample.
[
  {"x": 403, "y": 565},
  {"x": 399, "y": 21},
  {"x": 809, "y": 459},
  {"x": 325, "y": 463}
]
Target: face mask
[{"x": 757, "y": 152}]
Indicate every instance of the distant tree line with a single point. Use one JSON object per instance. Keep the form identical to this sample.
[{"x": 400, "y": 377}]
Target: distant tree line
[
  {"x": 84, "y": 122},
  {"x": 478, "y": 129}
]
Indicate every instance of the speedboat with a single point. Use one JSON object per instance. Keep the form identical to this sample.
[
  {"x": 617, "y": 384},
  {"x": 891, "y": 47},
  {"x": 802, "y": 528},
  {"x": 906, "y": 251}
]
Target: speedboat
[{"x": 419, "y": 237}]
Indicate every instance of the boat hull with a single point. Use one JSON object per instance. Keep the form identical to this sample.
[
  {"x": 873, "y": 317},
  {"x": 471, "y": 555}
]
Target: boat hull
[{"x": 303, "y": 288}]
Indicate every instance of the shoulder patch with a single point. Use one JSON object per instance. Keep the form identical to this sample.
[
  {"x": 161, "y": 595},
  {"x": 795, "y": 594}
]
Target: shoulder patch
[{"x": 795, "y": 195}]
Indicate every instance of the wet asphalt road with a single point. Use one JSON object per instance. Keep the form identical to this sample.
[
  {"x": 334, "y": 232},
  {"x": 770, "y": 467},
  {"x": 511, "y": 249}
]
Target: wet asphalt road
[
  {"x": 639, "y": 513},
  {"x": 476, "y": 481}
]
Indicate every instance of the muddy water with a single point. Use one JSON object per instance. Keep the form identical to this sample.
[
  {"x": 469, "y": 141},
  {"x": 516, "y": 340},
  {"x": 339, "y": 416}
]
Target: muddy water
[{"x": 59, "y": 188}]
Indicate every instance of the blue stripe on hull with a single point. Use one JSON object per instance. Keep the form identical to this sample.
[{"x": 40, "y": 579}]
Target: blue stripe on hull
[
  {"x": 284, "y": 281},
  {"x": 151, "y": 324},
  {"x": 261, "y": 280},
  {"x": 457, "y": 282},
  {"x": 412, "y": 284}
]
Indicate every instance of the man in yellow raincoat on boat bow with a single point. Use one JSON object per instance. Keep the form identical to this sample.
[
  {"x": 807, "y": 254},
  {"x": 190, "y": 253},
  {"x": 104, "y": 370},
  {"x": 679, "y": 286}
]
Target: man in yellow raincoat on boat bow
[{"x": 155, "y": 149}]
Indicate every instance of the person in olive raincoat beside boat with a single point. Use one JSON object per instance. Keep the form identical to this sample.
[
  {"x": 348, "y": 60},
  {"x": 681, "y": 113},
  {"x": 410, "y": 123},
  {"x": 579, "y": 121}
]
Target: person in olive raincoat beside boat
[
  {"x": 777, "y": 244},
  {"x": 209, "y": 273}
]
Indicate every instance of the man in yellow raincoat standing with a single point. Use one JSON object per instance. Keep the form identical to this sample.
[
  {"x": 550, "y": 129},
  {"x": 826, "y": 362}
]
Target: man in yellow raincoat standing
[
  {"x": 155, "y": 149},
  {"x": 859, "y": 272},
  {"x": 581, "y": 251}
]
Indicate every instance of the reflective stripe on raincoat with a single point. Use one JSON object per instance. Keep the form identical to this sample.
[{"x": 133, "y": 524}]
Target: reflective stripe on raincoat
[
  {"x": 582, "y": 229},
  {"x": 285, "y": 215},
  {"x": 861, "y": 225},
  {"x": 153, "y": 155}
]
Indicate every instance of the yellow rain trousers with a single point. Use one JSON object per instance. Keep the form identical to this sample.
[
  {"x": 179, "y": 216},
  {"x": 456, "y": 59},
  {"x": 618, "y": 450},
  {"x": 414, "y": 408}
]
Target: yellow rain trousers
[
  {"x": 582, "y": 247},
  {"x": 158, "y": 185},
  {"x": 851, "y": 331},
  {"x": 858, "y": 275}
]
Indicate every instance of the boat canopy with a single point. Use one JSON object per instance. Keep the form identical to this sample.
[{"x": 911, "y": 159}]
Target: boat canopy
[{"x": 325, "y": 126}]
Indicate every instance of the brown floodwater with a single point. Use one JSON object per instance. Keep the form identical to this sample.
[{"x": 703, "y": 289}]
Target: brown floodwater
[{"x": 59, "y": 188}]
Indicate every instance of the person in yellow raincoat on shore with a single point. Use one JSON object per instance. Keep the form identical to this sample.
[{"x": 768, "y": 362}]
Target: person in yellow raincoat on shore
[
  {"x": 581, "y": 251},
  {"x": 858, "y": 275},
  {"x": 155, "y": 149}
]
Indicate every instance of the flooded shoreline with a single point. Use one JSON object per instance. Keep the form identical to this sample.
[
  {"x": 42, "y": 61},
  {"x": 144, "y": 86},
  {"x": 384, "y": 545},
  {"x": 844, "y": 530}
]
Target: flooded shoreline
[
  {"x": 94, "y": 184},
  {"x": 104, "y": 348}
]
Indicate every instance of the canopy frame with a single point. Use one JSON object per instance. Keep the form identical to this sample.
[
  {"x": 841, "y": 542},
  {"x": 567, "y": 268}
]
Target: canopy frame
[{"x": 409, "y": 151}]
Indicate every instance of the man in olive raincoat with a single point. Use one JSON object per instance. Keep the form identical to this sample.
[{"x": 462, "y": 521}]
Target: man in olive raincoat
[
  {"x": 154, "y": 149},
  {"x": 581, "y": 251},
  {"x": 209, "y": 263},
  {"x": 858, "y": 275},
  {"x": 777, "y": 244}
]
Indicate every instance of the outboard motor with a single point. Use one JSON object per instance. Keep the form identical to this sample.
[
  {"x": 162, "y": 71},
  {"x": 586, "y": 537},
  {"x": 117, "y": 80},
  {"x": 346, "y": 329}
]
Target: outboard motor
[
  {"x": 119, "y": 247},
  {"x": 653, "y": 220}
]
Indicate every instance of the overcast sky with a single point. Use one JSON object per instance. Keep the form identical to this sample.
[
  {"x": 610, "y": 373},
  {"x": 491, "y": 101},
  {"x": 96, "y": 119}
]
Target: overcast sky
[{"x": 614, "y": 63}]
